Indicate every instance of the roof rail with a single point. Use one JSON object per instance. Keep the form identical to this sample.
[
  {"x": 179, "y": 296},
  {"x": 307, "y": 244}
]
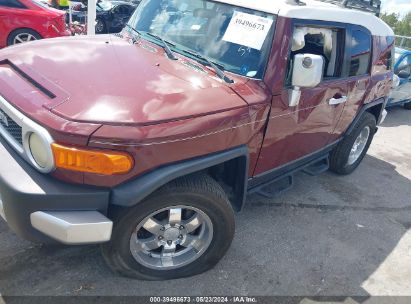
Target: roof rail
[{"x": 371, "y": 6}]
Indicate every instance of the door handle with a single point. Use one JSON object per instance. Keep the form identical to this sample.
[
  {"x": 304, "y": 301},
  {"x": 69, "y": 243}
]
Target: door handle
[{"x": 337, "y": 101}]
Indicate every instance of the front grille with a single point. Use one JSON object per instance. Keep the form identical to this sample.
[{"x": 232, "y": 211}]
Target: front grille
[{"x": 11, "y": 127}]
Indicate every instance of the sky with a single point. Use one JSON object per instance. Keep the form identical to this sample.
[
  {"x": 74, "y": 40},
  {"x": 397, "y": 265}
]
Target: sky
[{"x": 396, "y": 6}]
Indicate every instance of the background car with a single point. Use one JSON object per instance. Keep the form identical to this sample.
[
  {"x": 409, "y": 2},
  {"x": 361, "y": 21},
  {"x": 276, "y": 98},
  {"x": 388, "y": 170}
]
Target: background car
[
  {"x": 112, "y": 16},
  {"x": 401, "y": 95},
  {"x": 27, "y": 20}
]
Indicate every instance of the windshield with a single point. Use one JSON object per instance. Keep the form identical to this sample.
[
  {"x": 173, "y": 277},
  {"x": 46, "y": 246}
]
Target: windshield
[
  {"x": 238, "y": 39},
  {"x": 104, "y": 5},
  {"x": 41, "y": 3}
]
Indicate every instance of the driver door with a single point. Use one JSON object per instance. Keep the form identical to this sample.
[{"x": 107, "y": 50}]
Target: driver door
[{"x": 294, "y": 132}]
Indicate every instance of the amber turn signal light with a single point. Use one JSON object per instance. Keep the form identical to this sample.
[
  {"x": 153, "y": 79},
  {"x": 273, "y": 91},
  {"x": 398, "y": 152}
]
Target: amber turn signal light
[{"x": 93, "y": 161}]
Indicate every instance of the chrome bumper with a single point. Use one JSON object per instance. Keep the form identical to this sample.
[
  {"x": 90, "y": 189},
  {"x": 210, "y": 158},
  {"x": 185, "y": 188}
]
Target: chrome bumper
[{"x": 73, "y": 227}]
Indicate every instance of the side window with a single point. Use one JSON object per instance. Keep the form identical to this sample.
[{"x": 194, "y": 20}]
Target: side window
[
  {"x": 130, "y": 10},
  {"x": 117, "y": 10},
  {"x": 126, "y": 10},
  {"x": 327, "y": 42},
  {"x": 11, "y": 3},
  {"x": 360, "y": 53},
  {"x": 123, "y": 10}
]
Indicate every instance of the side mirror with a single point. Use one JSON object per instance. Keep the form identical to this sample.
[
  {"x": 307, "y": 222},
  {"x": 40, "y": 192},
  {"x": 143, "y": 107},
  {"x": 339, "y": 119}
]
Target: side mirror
[
  {"x": 307, "y": 73},
  {"x": 404, "y": 74}
]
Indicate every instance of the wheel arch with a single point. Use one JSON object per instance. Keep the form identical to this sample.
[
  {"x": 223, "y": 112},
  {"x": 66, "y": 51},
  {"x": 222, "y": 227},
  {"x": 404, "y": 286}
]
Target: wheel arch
[
  {"x": 19, "y": 29},
  {"x": 229, "y": 168},
  {"x": 375, "y": 108}
]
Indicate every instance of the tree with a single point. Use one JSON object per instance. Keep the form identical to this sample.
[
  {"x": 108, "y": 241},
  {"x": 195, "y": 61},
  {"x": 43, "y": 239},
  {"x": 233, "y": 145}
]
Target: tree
[
  {"x": 391, "y": 19},
  {"x": 400, "y": 26}
]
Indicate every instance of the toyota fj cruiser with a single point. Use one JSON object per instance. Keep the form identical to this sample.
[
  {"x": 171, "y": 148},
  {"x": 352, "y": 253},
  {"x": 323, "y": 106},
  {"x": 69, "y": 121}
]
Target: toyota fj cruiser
[{"x": 149, "y": 140}]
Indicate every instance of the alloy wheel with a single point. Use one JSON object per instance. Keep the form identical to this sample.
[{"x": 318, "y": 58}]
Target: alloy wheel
[
  {"x": 359, "y": 145},
  {"x": 171, "y": 238},
  {"x": 23, "y": 37},
  {"x": 99, "y": 26}
]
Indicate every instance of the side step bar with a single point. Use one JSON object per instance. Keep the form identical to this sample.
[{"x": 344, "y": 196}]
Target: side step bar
[
  {"x": 318, "y": 167},
  {"x": 73, "y": 227},
  {"x": 286, "y": 182},
  {"x": 281, "y": 184}
]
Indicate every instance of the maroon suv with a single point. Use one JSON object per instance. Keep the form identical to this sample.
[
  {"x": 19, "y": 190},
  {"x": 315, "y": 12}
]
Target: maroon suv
[{"x": 148, "y": 141}]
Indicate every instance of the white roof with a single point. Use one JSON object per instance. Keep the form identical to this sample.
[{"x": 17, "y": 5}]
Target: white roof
[{"x": 316, "y": 10}]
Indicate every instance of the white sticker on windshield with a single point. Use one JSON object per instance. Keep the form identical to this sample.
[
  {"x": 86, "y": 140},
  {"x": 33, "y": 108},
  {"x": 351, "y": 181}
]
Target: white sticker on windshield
[{"x": 248, "y": 30}]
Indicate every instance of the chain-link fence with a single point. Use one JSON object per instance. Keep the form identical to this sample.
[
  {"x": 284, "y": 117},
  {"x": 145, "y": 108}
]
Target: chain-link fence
[{"x": 403, "y": 42}]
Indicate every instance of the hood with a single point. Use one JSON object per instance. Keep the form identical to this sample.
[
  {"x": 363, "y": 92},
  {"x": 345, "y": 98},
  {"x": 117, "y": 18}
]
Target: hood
[{"x": 107, "y": 79}]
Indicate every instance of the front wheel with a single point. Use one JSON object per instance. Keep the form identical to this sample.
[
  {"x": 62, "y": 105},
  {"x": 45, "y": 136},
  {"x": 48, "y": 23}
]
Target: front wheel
[
  {"x": 349, "y": 153},
  {"x": 183, "y": 229},
  {"x": 101, "y": 27},
  {"x": 407, "y": 105}
]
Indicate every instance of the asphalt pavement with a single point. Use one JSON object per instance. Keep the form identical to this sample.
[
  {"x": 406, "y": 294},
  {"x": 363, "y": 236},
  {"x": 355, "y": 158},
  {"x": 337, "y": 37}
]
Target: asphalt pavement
[{"x": 328, "y": 236}]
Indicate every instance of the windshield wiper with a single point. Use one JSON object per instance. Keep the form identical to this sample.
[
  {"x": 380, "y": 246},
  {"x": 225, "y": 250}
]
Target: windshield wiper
[
  {"x": 167, "y": 49},
  {"x": 135, "y": 31},
  {"x": 219, "y": 71}
]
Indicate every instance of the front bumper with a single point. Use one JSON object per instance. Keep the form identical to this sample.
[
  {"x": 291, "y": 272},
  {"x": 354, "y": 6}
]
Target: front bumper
[{"x": 42, "y": 209}]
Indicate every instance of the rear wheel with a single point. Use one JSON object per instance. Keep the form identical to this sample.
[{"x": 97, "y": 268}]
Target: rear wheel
[
  {"x": 183, "y": 229},
  {"x": 349, "y": 153},
  {"x": 22, "y": 36},
  {"x": 100, "y": 26},
  {"x": 407, "y": 105}
]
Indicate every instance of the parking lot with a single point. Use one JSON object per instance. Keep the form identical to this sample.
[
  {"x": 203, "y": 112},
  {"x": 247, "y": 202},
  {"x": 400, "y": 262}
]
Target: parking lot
[{"x": 330, "y": 235}]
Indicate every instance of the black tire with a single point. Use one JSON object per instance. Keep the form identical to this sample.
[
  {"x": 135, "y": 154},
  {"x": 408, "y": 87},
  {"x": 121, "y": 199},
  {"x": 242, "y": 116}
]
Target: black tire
[
  {"x": 200, "y": 192},
  {"x": 101, "y": 27},
  {"x": 339, "y": 156},
  {"x": 407, "y": 105},
  {"x": 16, "y": 33}
]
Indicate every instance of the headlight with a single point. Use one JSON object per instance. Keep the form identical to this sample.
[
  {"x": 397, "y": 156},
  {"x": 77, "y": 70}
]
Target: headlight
[{"x": 39, "y": 150}]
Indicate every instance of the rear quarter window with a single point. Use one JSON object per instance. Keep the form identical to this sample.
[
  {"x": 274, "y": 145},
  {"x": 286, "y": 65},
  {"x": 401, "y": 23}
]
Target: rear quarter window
[
  {"x": 360, "y": 53},
  {"x": 385, "y": 55}
]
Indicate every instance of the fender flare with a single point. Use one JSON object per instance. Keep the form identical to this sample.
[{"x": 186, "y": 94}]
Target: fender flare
[
  {"x": 378, "y": 102},
  {"x": 131, "y": 193}
]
